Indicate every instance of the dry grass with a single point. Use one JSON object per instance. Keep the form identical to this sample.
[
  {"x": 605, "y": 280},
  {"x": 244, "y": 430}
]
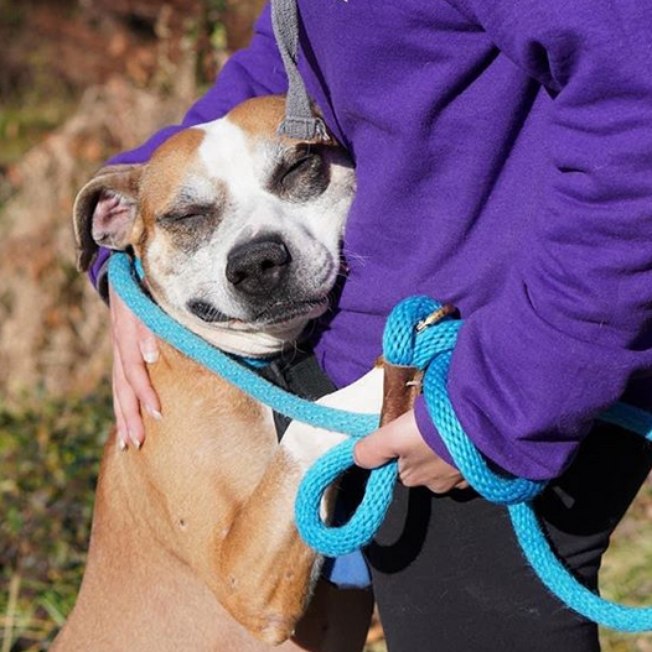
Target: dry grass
[{"x": 48, "y": 466}]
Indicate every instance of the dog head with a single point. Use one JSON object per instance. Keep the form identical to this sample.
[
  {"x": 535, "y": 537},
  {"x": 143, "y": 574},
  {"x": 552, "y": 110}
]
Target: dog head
[{"x": 238, "y": 229}]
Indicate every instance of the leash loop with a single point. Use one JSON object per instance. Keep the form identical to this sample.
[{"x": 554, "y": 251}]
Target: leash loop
[
  {"x": 430, "y": 347},
  {"x": 334, "y": 541}
]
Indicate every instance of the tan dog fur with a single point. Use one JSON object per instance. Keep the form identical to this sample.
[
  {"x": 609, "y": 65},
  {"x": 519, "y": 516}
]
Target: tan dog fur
[{"x": 182, "y": 527}]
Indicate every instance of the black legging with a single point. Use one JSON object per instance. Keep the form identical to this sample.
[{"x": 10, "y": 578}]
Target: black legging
[{"x": 448, "y": 575}]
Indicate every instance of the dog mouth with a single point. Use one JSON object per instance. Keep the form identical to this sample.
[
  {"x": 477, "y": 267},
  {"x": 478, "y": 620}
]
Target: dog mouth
[
  {"x": 206, "y": 311},
  {"x": 285, "y": 312},
  {"x": 277, "y": 314}
]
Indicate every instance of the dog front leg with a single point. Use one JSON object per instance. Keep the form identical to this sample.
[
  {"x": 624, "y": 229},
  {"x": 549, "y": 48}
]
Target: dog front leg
[{"x": 267, "y": 570}]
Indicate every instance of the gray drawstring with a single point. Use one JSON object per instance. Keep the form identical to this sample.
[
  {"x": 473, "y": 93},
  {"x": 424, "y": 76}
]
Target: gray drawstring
[{"x": 299, "y": 122}]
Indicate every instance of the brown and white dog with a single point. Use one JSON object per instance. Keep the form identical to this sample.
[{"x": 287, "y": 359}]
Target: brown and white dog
[{"x": 238, "y": 231}]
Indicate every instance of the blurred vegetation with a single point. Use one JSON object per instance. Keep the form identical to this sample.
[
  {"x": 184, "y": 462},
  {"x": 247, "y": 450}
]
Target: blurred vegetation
[
  {"x": 25, "y": 120},
  {"x": 626, "y": 574},
  {"x": 32, "y": 100},
  {"x": 54, "y": 50},
  {"x": 48, "y": 468}
]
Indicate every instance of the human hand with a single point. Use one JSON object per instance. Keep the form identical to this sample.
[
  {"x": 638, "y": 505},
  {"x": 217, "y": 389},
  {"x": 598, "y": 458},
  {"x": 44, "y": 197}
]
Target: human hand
[
  {"x": 418, "y": 464},
  {"x": 133, "y": 346}
]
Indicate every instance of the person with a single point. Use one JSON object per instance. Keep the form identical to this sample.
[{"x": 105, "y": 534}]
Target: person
[{"x": 503, "y": 154}]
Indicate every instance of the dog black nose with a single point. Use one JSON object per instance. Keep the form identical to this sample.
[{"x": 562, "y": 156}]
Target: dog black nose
[{"x": 257, "y": 267}]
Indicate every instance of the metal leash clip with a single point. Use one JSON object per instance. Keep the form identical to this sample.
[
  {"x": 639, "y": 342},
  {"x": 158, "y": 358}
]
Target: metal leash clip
[{"x": 435, "y": 317}]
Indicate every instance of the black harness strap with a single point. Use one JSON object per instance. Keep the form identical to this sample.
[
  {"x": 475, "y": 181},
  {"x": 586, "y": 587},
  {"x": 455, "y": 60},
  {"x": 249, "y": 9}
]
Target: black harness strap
[{"x": 300, "y": 374}]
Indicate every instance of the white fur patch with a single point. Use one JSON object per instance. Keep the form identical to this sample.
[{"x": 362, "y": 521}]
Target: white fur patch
[{"x": 306, "y": 444}]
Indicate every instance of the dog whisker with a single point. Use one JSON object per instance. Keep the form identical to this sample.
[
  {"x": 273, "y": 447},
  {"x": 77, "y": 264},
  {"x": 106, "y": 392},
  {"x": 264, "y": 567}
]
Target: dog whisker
[{"x": 350, "y": 256}]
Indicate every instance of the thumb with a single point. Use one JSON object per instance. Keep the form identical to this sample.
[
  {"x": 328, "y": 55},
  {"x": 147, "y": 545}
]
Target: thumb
[{"x": 374, "y": 450}]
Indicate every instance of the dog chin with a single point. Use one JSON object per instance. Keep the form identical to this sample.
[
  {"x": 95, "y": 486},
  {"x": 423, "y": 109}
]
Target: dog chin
[
  {"x": 271, "y": 332},
  {"x": 273, "y": 318}
]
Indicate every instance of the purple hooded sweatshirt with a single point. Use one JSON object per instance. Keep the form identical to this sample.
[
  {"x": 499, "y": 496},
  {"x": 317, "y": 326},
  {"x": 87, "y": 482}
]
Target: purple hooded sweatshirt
[{"x": 504, "y": 162}]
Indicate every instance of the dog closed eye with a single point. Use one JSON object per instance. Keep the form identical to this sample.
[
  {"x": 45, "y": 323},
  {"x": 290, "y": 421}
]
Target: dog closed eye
[
  {"x": 308, "y": 163},
  {"x": 190, "y": 226},
  {"x": 186, "y": 213},
  {"x": 301, "y": 175}
]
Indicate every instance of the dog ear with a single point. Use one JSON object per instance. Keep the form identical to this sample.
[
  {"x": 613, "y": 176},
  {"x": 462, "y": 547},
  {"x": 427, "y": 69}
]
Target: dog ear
[{"x": 112, "y": 229}]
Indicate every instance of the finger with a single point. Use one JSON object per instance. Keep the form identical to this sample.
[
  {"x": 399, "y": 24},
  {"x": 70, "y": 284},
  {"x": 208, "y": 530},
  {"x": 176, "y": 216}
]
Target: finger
[
  {"x": 435, "y": 474},
  {"x": 375, "y": 450},
  {"x": 128, "y": 402},
  {"x": 440, "y": 486},
  {"x": 411, "y": 477},
  {"x": 121, "y": 425},
  {"x": 147, "y": 344},
  {"x": 444, "y": 482},
  {"x": 134, "y": 343},
  {"x": 136, "y": 375},
  {"x": 408, "y": 480}
]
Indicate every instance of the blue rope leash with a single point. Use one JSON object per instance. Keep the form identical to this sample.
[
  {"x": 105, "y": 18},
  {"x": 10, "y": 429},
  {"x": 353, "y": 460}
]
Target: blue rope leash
[
  {"x": 429, "y": 350},
  {"x": 517, "y": 494}
]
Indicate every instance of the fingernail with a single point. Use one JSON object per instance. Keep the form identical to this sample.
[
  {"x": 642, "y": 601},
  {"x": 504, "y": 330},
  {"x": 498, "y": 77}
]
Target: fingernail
[
  {"x": 134, "y": 441},
  {"x": 150, "y": 354},
  {"x": 122, "y": 439},
  {"x": 154, "y": 413}
]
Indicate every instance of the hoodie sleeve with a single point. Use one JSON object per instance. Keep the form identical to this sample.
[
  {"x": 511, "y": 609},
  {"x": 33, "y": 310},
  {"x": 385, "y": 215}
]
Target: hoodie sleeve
[
  {"x": 254, "y": 71},
  {"x": 573, "y": 326}
]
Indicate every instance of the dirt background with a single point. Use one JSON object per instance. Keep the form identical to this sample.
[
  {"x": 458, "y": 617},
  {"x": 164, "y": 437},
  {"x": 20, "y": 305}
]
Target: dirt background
[{"x": 81, "y": 80}]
